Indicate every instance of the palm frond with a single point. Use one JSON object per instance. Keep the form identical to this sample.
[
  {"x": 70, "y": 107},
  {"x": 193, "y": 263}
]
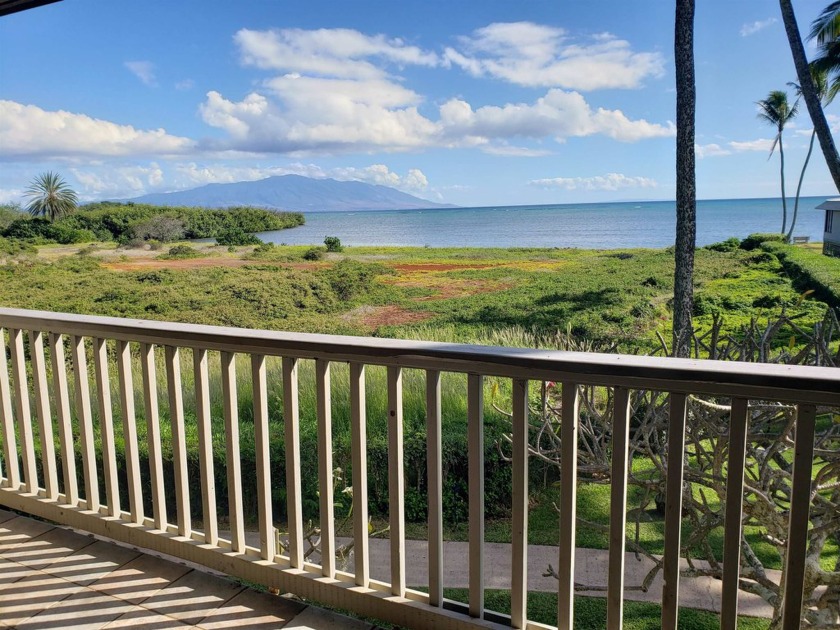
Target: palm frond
[{"x": 826, "y": 26}]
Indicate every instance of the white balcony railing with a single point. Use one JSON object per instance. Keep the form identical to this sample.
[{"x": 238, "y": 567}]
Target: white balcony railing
[{"x": 114, "y": 346}]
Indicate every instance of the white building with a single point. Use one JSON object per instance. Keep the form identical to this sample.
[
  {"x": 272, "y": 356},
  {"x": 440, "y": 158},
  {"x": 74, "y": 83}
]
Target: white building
[{"x": 831, "y": 232}]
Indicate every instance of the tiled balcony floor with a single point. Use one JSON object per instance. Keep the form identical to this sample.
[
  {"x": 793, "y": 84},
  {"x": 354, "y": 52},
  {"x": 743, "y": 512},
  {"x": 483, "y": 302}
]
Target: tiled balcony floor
[{"x": 52, "y": 577}]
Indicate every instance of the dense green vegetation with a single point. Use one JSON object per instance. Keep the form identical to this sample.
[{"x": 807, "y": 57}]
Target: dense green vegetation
[
  {"x": 109, "y": 221},
  {"x": 809, "y": 270}
]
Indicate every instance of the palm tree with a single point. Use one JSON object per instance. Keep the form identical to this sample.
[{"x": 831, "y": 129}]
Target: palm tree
[
  {"x": 803, "y": 73},
  {"x": 50, "y": 197},
  {"x": 686, "y": 181},
  {"x": 826, "y": 94},
  {"x": 777, "y": 111}
]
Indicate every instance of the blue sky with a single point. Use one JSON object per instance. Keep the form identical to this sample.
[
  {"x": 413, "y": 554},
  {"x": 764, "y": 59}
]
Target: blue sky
[{"x": 487, "y": 102}]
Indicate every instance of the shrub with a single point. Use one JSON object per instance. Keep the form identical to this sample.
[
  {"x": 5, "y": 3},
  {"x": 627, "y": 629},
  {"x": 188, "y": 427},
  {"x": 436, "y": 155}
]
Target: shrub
[
  {"x": 162, "y": 228},
  {"x": 729, "y": 245},
  {"x": 182, "y": 251},
  {"x": 350, "y": 278},
  {"x": 237, "y": 236},
  {"x": 313, "y": 253},
  {"x": 333, "y": 244},
  {"x": 754, "y": 241}
]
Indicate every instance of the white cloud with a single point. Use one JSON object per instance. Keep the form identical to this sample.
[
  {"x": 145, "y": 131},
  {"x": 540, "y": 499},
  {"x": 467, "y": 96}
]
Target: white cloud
[
  {"x": 414, "y": 180},
  {"x": 28, "y": 130},
  {"x": 761, "y": 144},
  {"x": 143, "y": 70},
  {"x": 11, "y": 195},
  {"x": 119, "y": 181},
  {"x": 709, "y": 150},
  {"x": 535, "y": 55},
  {"x": 754, "y": 27},
  {"x": 508, "y": 150},
  {"x": 337, "y": 52},
  {"x": 610, "y": 181},
  {"x": 186, "y": 84}
]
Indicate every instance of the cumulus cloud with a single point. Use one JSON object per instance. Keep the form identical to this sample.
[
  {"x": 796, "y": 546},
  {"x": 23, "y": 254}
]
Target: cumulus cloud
[
  {"x": 751, "y": 28},
  {"x": 535, "y": 55},
  {"x": 379, "y": 174},
  {"x": 336, "y": 52},
  {"x": 761, "y": 144},
  {"x": 508, "y": 150},
  {"x": 610, "y": 181},
  {"x": 709, "y": 150},
  {"x": 29, "y": 131},
  {"x": 119, "y": 181},
  {"x": 143, "y": 70}
]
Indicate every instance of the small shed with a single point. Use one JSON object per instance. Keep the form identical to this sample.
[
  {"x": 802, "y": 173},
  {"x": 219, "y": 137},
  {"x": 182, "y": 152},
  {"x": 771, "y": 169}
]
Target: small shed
[{"x": 831, "y": 232}]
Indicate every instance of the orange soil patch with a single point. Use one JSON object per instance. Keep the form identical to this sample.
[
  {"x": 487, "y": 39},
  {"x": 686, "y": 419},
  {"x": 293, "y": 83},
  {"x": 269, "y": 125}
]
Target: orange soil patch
[
  {"x": 372, "y": 317},
  {"x": 445, "y": 288}
]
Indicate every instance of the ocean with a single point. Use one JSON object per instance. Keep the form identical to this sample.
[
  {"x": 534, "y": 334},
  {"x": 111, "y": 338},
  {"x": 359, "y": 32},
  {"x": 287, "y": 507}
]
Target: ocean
[{"x": 590, "y": 226}]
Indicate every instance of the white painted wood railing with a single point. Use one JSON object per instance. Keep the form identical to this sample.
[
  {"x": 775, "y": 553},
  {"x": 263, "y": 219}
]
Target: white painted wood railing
[{"x": 32, "y": 487}]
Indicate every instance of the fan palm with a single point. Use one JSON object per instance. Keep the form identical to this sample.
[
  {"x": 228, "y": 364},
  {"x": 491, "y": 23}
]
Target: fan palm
[
  {"x": 777, "y": 111},
  {"x": 826, "y": 94},
  {"x": 50, "y": 197}
]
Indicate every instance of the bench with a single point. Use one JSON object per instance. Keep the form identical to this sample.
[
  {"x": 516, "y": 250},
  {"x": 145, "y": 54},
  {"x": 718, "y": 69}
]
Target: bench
[{"x": 800, "y": 239}]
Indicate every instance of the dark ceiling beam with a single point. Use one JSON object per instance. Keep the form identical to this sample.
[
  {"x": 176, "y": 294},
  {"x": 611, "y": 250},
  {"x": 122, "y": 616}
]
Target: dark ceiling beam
[{"x": 8, "y": 7}]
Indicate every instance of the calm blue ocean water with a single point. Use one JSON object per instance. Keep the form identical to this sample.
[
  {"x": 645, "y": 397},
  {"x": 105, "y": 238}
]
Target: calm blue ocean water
[{"x": 595, "y": 226}]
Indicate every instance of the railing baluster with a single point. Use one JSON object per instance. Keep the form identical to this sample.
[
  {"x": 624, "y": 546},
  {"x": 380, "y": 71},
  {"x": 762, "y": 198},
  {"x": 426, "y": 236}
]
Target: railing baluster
[
  {"x": 265, "y": 519},
  {"x": 673, "y": 510},
  {"x": 803, "y": 460},
  {"x": 519, "y": 519},
  {"x": 10, "y": 454},
  {"x": 24, "y": 412},
  {"x": 733, "y": 517},
  {"x": 179, "y": 440},
  {"x": 291, "y": 414},
  {"x": 568, "y": 505},
  {"x": 129, "y": 422},
  {"x": 434, "y": 474},
  {"x": 358, "y": 445},
  {"x": 205, "y": 447},
  {"x": 475, "y": 456},
  {"x": 234, "y": 466},
  {"x": 42, "y": 408},
  {"x": 85, "y": 417},
  {"x": 65, "y": 424},
  {"x": 618, "y": 507},
  {"x": 150, "y": 399},
  {"x": 396, "y": 481},
  {"x": 106, "y": 425},
  {"x": 325, "y": 467}
]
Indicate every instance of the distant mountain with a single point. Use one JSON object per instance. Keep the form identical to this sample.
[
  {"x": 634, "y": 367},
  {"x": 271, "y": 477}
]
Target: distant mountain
[{"x": 294, "y": 193}]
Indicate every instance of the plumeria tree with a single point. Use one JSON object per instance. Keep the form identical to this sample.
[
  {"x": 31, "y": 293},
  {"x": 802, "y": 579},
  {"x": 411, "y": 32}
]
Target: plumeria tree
[{"x": 50, "y": 197}]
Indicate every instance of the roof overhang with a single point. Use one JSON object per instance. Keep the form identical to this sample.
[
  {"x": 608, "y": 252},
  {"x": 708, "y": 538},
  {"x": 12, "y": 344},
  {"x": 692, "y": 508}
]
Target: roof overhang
[
  {"x": 830, "y": 204},
  {"x": 8, "y": 7}
]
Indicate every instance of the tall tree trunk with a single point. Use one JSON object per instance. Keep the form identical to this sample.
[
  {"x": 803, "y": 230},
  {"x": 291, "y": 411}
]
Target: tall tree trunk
[
  {"x": 799, "y": 186},
  {"x": 686, "y": 185},
  {"x": 782, "y": 178},
  {"x": 809, "y": 92}
]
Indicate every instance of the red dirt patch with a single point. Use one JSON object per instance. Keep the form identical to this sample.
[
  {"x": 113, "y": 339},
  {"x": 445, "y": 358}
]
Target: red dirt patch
[{"x": 372, "y": 317}]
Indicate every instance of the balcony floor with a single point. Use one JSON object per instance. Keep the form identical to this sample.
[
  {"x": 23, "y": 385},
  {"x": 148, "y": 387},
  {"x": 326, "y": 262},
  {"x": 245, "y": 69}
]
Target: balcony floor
[{"x": 51, "y": 577}]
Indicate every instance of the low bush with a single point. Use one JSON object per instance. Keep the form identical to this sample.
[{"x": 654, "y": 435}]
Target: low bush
[
  {"x": 333, "y": 244},
  {"x": 181, "y": 252},
  {"x": 313, "y": 253},
  {"x": 729, "y": 245},
  {"x": 237, "y": 236},
  {"x": 754, "y": 241}
]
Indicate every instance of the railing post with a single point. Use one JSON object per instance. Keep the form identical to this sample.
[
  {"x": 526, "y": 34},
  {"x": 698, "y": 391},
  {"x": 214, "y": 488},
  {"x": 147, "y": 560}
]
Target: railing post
[
  {"x": 568, "y": 505},
  {"x": 291, "y": 422},
  {"x": 42, "y": 407},
  {"x": 106, "y": 425},
  {"x": 435, "y": 486},
  {"x": 734, "y": 513},
  {"x": 800, "y": 504},
  {"x": 205, "y": 446},
  {"x": 179, "y": 440},
  {"x": 10, "y": 454},
  {"x": 84, "y": 415},
  {"x": 129, "y": 421},
  {"x": 475, "y": 456},
  {"x": 396, "y": 481},
  {"x": 618, "y": 507},
  {"x": 325, "y": 467},
  {"x": 65, "y": 425},
  {"x": 261, "y": 447},
  {"x": 234, "y": 467},
  {"x": 519, "y": 518},
  {"x": 673, "y": 511},
  {"x": 150, "y": 400},
  {"x": 24, "y": 412},
  {"x": 358, "y": 446}
]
